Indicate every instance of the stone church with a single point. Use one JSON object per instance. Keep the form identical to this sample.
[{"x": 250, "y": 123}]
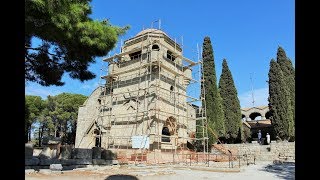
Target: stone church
[{"x": 143, "y": 103}]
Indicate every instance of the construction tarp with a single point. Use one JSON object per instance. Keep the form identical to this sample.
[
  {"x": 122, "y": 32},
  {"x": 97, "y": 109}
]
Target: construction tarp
[{"x": 140, "y": 142}]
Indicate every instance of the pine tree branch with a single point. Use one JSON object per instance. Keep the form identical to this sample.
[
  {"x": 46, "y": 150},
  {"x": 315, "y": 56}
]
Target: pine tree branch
[{"x": 40, "y": 49}]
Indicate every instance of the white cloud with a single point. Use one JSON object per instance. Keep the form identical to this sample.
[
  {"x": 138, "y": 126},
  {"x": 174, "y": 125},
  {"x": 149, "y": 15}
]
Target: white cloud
[
  {"x": 260, "y": 98},
  {"x": 41, "y": 91}
]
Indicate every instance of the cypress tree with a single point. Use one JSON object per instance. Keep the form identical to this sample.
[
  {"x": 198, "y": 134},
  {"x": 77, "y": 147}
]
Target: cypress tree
[
  {"x": 279, "y": 102},
  {"x": 231, "y": 105},
  {"x": 289, "y": 78},
  {"x": 214, "y": 111}
]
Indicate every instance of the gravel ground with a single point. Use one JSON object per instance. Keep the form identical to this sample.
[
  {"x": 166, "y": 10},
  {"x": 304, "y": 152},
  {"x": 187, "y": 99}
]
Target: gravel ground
[{"x": 259, "y": 171}]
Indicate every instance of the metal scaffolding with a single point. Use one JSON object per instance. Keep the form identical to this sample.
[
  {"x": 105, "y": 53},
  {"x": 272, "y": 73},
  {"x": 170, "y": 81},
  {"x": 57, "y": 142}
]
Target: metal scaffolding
[{"x": 146, "y": 71}]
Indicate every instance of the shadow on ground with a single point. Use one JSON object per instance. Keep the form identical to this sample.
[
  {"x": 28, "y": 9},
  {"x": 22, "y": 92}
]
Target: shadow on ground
[
  {"x": 121, "y": 177},
  {"x": 282, "y": 170}
]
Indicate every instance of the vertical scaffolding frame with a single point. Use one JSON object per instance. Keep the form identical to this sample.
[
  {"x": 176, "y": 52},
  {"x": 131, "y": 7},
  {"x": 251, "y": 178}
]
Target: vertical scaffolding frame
[{"x": 146, "y": 115}]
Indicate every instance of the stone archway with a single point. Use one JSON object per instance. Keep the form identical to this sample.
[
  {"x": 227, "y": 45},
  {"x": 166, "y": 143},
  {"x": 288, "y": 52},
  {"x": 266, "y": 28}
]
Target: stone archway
[
  {"x": 171, "y": 124},
  {"x": 268, "y": 115},
  {"x": 255, "y": 116},
  {"x": 170, "y": 130},
  {"x": 243, "y": 117}
]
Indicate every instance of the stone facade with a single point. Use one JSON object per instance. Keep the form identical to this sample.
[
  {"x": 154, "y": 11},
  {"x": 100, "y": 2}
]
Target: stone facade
[
  {"x": 283, "y": 151},
  {"x": 145, "y": 92},
  {"x": 249, "y": 114}
]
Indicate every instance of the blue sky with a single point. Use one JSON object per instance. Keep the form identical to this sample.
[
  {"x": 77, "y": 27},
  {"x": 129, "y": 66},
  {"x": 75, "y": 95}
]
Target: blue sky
[{"x": 247, "y": 33}]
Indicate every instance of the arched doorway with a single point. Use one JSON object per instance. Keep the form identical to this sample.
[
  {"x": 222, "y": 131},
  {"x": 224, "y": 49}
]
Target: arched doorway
[
  {"x": 169, "y": 129},
  {"x": 165, "y": 134}
]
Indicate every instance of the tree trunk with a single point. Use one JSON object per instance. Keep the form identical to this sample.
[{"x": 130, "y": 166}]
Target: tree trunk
[
  {"x": 29, "y": 133},
  {"x": 73, "y": 134},
  {"x": 40, "y": 134},
  {"x": 55, "y": 130}
]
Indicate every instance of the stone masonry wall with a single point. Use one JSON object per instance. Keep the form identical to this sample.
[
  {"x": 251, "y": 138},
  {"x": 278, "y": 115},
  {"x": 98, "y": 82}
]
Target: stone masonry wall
[{"x": 255, "y": 152}]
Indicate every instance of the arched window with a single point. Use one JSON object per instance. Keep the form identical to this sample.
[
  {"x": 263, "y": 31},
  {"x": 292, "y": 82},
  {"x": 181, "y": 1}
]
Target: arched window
[
  {"x": 171, "y": 92},
  {"x": 165, "y": 132},
  {"x": 155, "y": 47}
]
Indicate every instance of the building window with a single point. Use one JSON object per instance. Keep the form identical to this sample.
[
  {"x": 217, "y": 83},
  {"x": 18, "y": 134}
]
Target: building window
[
  {"x": 171, "y": 92},
  {"x": 165, "y": 133},
  {"x": 135, "y": 55},
  {"x": 155, "y": 47},
  {"x": 170, "y": 55}
]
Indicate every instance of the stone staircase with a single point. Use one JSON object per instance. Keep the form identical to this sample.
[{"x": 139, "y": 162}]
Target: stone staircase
[{"x": 265, "y": 154}]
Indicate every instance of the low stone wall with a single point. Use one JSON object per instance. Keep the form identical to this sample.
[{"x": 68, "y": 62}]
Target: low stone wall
[
  {"x": 68, "y": 157},
  {"x": 251, "y": 152}
]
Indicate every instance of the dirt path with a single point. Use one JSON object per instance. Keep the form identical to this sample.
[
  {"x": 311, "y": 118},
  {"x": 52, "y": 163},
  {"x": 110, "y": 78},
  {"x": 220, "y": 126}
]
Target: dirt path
[{"x": 261, "y": 171}]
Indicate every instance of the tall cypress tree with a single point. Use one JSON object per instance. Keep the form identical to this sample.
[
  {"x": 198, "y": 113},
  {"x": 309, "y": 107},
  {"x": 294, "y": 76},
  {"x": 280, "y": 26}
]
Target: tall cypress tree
[
  {"x": 279, "y": 102},
  {"x": 289, "y": 78},
  {"x": 214, "y": 111},
  {"x": 231, "y": 104}
]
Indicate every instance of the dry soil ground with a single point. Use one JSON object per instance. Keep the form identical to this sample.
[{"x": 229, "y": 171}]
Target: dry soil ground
[{"x": 259, "y": 171}]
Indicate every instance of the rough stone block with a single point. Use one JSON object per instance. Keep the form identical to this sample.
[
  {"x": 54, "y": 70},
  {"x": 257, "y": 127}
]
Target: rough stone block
[
  {"x": 47, "y": 162},
  {"x": 108, "y": 155},
  {"x": 36, "y": 152},
  {"x": 101, "y": 162},
  {"x": 83, "y": 161},
  {"x": 50, "y": 140},
  {"x": 29, "y": 171},
  {"x": 55, "y": 167},
  {"x": 45, "y": 171},
  {"x": 31, "y": 162},
  {"x": 65, "y": 152},
  {"x": 66, "y": 162},
  {"x": 80, "y": 153},
  {"x": 28, "y": 151},
  {"x": 96, "y": 152},
  {"x": 54, "y": 153},
  {"x": 45, "y": 153}
]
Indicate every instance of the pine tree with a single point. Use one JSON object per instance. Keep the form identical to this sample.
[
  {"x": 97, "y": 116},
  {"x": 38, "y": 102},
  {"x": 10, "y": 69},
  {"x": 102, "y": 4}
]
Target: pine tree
[
  {"x": 279, "y": 102},
  {"x": 231, "y": 104},
  {"x": 213, "y": 101},
  {"x": 289, "y": 78},
  {"x": 70, "y": 40}
]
